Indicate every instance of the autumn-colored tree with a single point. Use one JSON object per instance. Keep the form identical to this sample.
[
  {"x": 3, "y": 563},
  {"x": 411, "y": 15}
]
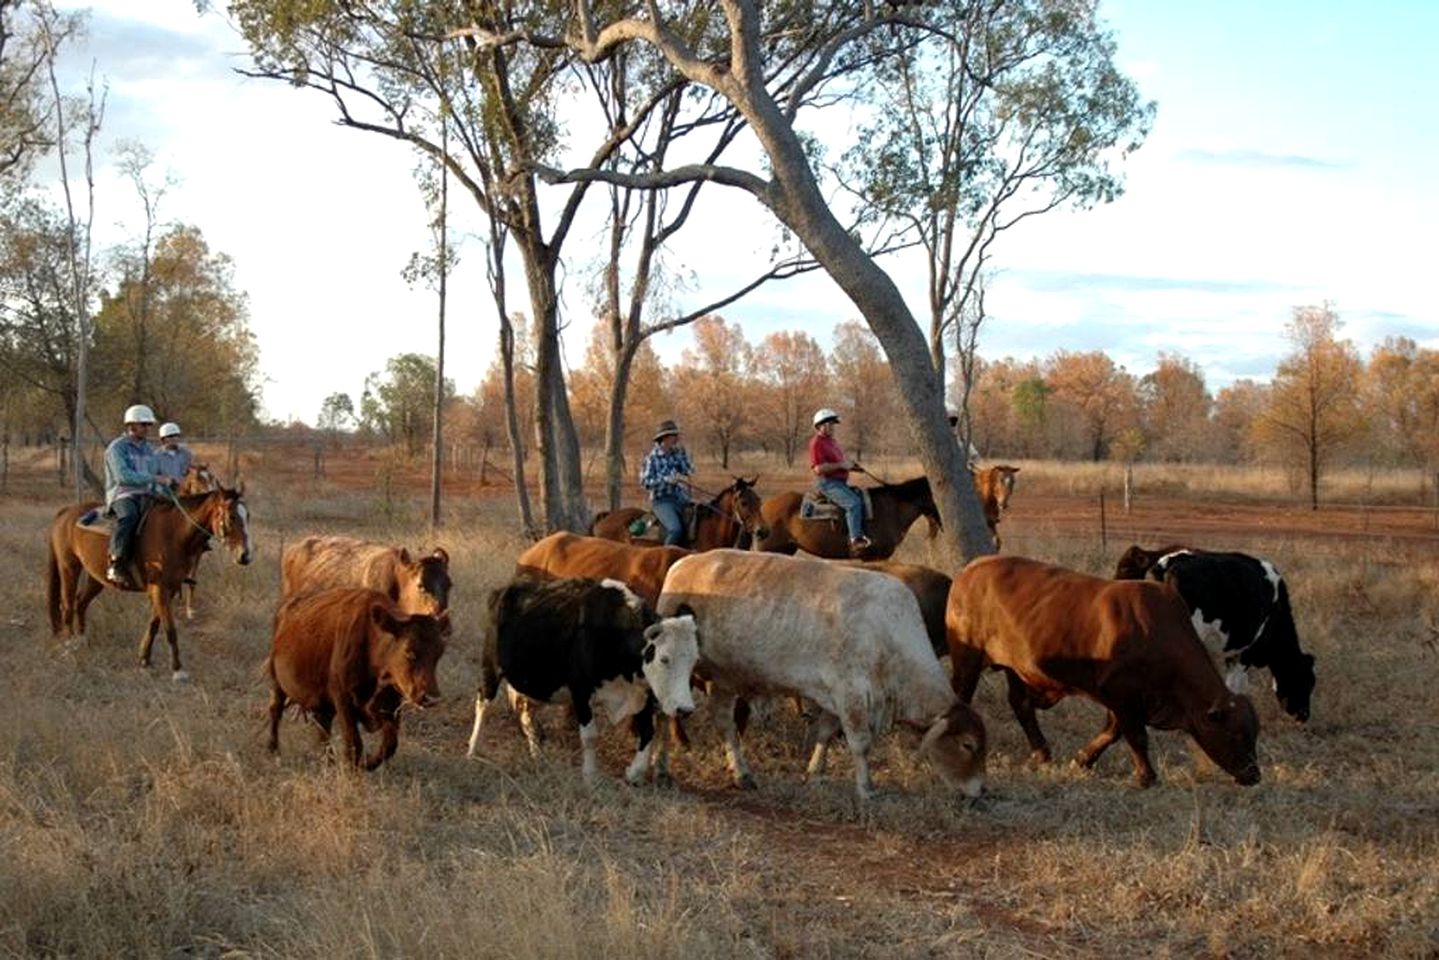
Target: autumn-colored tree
[
  {"x": 1174, "y": 408},
  {"x": 1313, "y": 409},
  {"x": 711, "y": 385},
  {"x": 1235, "y": 409},
  {"x": 793, "y": 377},
  {"x": 1401, "y": 395},
  {"x": 1096, "y": 392},
  {"x": 864, "y": 391}
]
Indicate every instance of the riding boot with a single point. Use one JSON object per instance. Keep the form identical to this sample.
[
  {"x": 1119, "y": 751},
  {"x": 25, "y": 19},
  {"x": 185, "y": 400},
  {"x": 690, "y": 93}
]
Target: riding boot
[{"x": 118, "y": 572}]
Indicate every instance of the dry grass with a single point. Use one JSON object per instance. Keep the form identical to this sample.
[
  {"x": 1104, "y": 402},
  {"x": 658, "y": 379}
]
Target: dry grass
[{"x": 138, "y": 818}]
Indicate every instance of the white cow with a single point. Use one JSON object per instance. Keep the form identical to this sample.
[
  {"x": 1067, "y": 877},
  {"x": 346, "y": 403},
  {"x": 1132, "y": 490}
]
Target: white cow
[{"x": 852, "y": 641}]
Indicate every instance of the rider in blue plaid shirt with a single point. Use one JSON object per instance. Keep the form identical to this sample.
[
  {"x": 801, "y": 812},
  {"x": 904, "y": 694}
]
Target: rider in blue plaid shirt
[{"x": 665, "y": 466}]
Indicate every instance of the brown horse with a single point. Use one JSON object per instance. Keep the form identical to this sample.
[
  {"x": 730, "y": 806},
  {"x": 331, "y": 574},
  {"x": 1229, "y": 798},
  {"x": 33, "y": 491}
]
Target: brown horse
[
  {"x": 724, "y": 521},
  {"x": 170, "y": 537},
  {"x": 994, "y": 485},
  {"x": 896, "y": 507},
  {"x": 198, "y": 479}
]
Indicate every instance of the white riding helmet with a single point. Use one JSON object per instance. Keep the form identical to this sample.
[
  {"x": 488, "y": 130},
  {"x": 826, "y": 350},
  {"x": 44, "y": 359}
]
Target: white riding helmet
[
  {"x": 139, "y": 413},
  {"x": 169, "y": 430},
  {"x": 824, "y": 414}
]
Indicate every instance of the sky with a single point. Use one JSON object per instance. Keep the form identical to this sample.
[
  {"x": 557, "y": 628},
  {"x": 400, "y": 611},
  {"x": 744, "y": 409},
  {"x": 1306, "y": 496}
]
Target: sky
[{"x": 1290, "y": 163}]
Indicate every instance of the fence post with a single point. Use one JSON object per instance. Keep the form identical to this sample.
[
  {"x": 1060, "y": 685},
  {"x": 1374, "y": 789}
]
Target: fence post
[
  {"x": 1103, "y": 523},
  {"x": 1128, "y": 484}
]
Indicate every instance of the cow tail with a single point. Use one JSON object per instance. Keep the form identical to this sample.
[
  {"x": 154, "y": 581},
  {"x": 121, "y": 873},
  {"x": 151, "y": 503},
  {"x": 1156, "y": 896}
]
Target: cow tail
[{"x": 52, "y": 589}]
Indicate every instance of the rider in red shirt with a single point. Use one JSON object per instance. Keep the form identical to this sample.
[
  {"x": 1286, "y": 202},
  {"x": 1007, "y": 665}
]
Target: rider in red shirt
[{"x": 832, "y": 468}]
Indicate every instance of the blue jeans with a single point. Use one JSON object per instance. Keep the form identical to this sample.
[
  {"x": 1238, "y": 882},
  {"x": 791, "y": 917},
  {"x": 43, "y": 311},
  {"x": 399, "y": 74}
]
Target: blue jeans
[
  {"x": 127, "y": 512},
  {"x": 671, "y": 514},
  {"x": 848, "y": 498}
]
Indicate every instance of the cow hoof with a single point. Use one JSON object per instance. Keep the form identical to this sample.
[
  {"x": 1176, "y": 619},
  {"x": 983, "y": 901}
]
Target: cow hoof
[
  {"x": 180, "y": 676},
  {"x": 746, "y": 782},
  {"x": 1041, "y": 757}
]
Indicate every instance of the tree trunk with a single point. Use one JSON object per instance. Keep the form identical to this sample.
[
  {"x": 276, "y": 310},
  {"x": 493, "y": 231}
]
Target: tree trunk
[
  {"x": 795, "y": 198},
  {"x": 561, "y": 480},
  {"x": 615, "y": 425},
  {"x": 512, "y": 425}
]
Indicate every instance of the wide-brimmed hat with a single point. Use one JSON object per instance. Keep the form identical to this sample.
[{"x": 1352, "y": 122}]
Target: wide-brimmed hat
[{"x": 665, "y": 429}]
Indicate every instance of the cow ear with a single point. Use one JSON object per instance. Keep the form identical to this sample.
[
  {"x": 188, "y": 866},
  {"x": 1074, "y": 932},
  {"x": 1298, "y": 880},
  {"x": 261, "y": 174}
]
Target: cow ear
[
  {"x": 439, "y": 554},
  {"x": 382, "y": 618},
  {"x": 652, "y": 632},
  {"x": 405, "y": 556}
]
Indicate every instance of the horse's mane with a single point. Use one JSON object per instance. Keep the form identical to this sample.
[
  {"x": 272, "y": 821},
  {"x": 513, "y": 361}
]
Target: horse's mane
[{"x": 908, "y": 490}]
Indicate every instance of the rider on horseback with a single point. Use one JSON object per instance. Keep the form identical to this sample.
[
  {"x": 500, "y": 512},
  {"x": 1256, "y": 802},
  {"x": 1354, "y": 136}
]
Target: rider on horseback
[
  {"x": 832, "y": 467},
  {"x": 666, "y": 469},
  {"x": 173, "y": 458},
  {"x": 131, "y": 477}
]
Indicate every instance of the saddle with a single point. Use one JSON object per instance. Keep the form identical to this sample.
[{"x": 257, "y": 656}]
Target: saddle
[
  {"x": 647, "y": 526},
  {"x": 101, "y": 522},
  {"x": 816, "y": 506}
]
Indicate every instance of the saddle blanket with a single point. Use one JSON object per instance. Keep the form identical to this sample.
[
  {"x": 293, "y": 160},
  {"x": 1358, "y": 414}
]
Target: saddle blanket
[
  {"x": 647, "y": 526},
  {"x": 816, "y": 506}
]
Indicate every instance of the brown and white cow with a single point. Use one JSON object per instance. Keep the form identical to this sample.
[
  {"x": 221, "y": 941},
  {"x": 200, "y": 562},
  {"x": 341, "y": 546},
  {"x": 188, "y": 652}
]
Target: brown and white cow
[
  {"x": 350, "y": 654},
  {"x": 1129, "y": 645},
  {"x": 852, "y": 641},
  {"x": 641, "y": 568},
  {"x": 596, "y": 643},
  {"x": 416, "y": 585}
]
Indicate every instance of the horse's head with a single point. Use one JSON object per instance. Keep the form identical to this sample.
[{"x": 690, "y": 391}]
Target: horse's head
[
  {"x": 1002, "y": 478},
  {"x": 230, "y": 521},
  {"x": 199, "y": 478},
  {"x": 745, "y": 504}
]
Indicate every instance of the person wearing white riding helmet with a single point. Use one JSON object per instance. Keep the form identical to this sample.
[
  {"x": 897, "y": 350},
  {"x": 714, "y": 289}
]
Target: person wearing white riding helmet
[
  {"x": 831, "y": 469},
  {"x": 131, "y": 477},
  {"x": 173, "y": 458}
]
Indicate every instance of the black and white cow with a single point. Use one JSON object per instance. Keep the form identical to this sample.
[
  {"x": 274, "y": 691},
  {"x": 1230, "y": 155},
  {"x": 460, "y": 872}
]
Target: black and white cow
[
  {"x": 1240, "y": 608},
  {"x": 594, "y": 641}
]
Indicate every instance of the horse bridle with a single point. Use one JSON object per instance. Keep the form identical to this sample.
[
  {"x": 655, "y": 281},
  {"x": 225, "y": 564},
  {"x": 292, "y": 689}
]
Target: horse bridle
[
  {"x": 221, "y": 526},
  {"x": 734, "y": 509}
]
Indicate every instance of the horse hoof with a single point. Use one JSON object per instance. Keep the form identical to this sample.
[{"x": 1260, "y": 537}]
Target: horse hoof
[{"x": 180, "y": 676}]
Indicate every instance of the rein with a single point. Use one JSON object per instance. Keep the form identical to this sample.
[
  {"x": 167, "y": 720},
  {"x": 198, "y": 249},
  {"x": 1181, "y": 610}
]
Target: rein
[
  {"x": 175, "y": 501},
  {"x": 710, "y": 506}
]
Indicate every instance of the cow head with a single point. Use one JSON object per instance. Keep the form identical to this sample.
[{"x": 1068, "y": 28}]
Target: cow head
[
  {"x": 409, "y": 650},
  {"x": 668, "y": 659},
  {"x": 1227, "y": 732},
  {"x": 423, "y": 584},
  {"x": 1294, "y": 685},
  {"x": 956, "y": 744}
]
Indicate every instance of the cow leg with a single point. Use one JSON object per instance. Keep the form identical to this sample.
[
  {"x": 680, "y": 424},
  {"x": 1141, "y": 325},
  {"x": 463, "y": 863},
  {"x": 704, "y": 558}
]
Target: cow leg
[
  {"x": 525, "y": 708},
  {"x": 1087, "y": 757},
  {"x": 323, "y": 718},
  {"x": 1138, "y": 739},
  {"x": 481, "y": 704},
  {"x": 350, "y": 729},
  {"x": 589, "y": 735},
  {"x": 643, "y": 725},
  {"x": 277, "y": 710},
  {"x": 825, "y": 726},
  {"x": 1023, "y": 706},
  {"x": 724, "y": 707},
  {"x": 389, "y": 740},
  {"x": 857, "y": 734},
  {"x": 968, "y": 664}
]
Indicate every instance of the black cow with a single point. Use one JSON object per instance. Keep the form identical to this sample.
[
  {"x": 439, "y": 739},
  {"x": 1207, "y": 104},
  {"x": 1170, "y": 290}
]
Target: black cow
[
  {"x": 1241, "y": 611},
  {"x": 594, "y": 640}
]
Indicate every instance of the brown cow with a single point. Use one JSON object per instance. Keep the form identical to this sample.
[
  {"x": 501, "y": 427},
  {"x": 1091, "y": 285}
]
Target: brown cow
[
  {"x": 416, "y": 586},
  {"x": 930, "y": 588},
  {"x": 642, "y": 569},
  {"x": 1127, "y": 644},
  {"x": 351, "y": 654}
]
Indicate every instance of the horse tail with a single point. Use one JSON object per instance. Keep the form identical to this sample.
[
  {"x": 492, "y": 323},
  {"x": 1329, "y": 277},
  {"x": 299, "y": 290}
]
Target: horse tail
[{"x": 52, "y": 588}]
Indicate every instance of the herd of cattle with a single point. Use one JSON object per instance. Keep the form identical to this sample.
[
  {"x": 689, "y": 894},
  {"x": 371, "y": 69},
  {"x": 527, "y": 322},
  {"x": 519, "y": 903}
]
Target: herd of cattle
[{"x": 637, "y": 629}]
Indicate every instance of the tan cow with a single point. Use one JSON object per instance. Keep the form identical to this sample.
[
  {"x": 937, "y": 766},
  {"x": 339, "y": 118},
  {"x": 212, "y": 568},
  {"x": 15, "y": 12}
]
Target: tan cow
[
  {"x": 1129, "y": 645},
  {"x": 415, "y": 586},
  {"x": 641, "y": 568}
]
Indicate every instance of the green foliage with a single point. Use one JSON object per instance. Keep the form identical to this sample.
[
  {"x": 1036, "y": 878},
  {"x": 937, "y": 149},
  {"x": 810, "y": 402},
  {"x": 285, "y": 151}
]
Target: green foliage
[{"x": 400, "y": 405}]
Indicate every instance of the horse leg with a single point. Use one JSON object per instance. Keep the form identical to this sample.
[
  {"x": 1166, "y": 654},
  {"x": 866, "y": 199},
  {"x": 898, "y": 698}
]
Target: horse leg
[
  {"x": 82, "y": 592},
  {"x": 189, "y": 587},
  {"x": 147, "y": 639},
  {"x": 177, "y": 673}
]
